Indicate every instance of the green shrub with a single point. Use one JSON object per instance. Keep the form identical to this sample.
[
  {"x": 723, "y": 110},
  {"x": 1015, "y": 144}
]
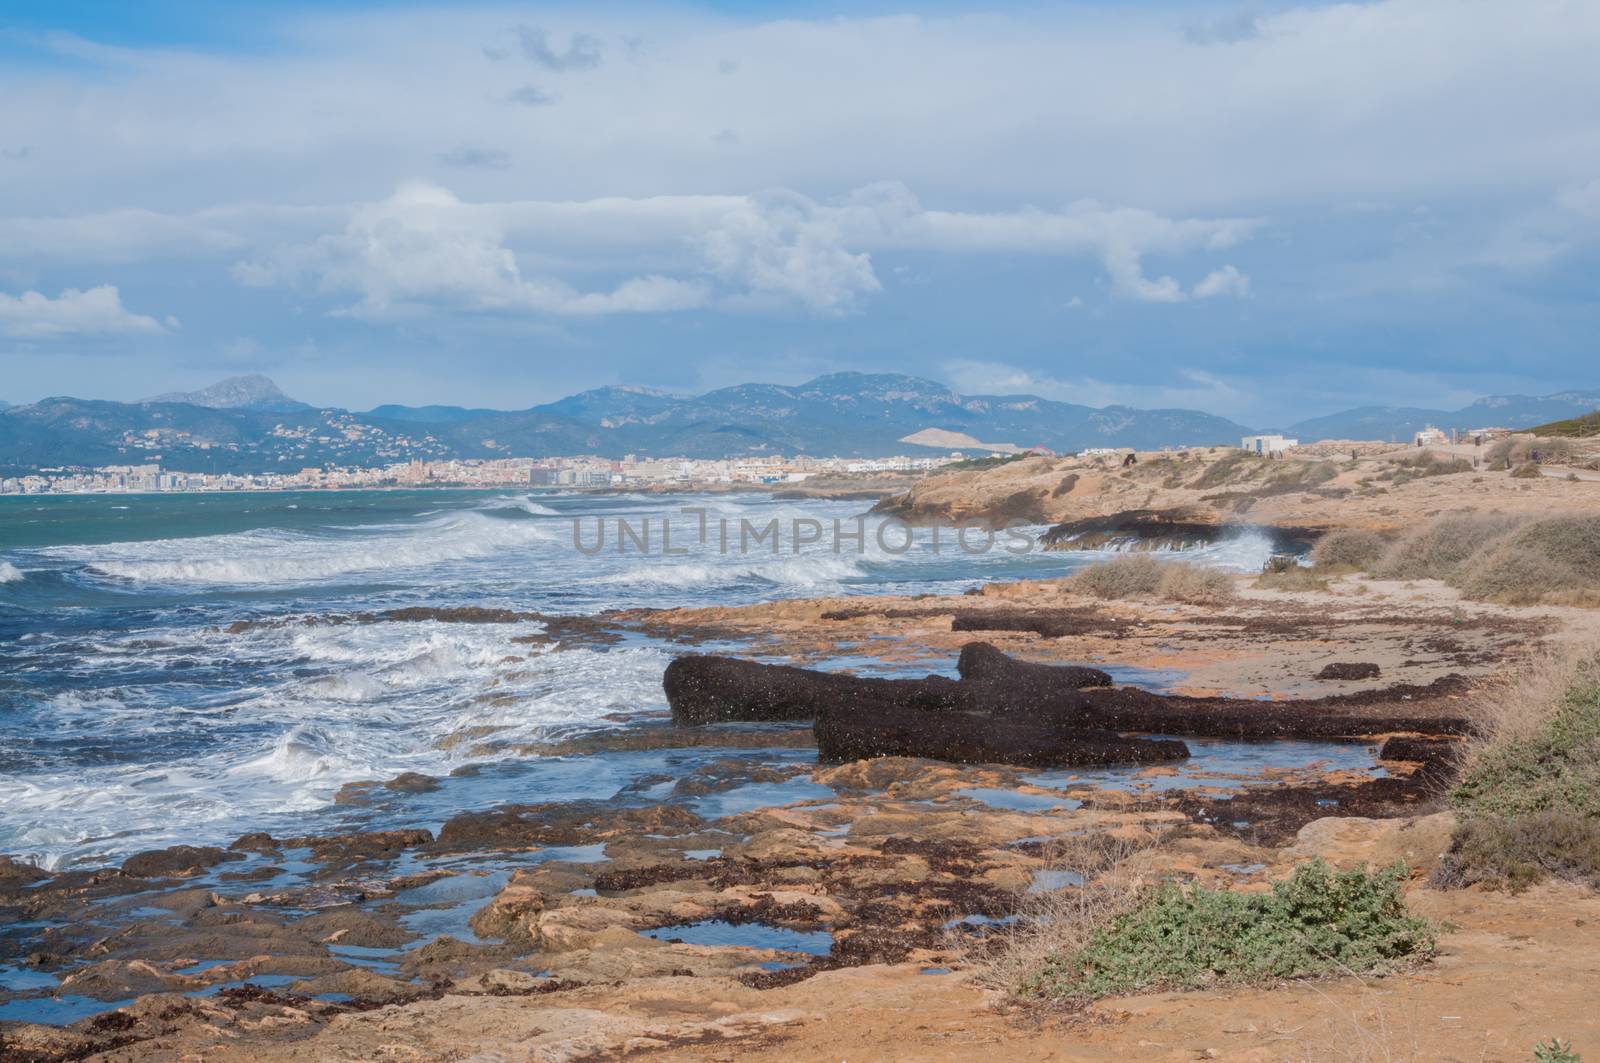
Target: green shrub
[
  {"x": 1316, "y": 922},
  {"x": 1555, "y": 768},
  {"x": 1526, "y": 471},
  {"x": 1555, "y": 1050},
  {"x": 1349, "y": 548},
  {"x": 1515, "y": 852}
]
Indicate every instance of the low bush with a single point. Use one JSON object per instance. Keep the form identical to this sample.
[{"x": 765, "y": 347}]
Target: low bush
[
  {"x": 1438, "y": 550},
  {"x": 1349, "y": 548},
  {"x": 1424, "y": 464},
  {"x": 1194, "y": 583},
  {"x": 1528, "y": 766},
  {"x": 1227, "y": 468},
  {"x": 1526, "y": 471},
  {"x": 1316, "y": 922},
  {"x": 1519, "y": 450},
  {"x": 1126, "y": 576},
  {"x": 1529, "y": 793},
  {"x": 1549, "y": 559},
  {"x": 1135, "y": 575},
  {"x": 1515, "y": 852}
]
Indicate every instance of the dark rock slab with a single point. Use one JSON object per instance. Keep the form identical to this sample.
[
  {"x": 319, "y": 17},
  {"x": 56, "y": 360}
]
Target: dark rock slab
[
  {"x": 176, "y": 860},
  {"x": 981, "y": 662},
  {"x": 1350, "y": 670},
  {"x": 1397, "y": 709},
  {"x": 1050, "y": 623},
  {"x": 888, "y": 730},
  {"x": 709, "y": 689}
]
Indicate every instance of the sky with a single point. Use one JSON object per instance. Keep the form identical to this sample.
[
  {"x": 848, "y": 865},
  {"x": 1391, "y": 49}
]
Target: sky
[{"x": 1270, "y": 211}]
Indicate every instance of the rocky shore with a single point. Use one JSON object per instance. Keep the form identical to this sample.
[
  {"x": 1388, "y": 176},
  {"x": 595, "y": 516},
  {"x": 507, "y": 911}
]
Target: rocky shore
[
  {"x": 1177, "y": 500},
  {"x": 831, "y": 852}
]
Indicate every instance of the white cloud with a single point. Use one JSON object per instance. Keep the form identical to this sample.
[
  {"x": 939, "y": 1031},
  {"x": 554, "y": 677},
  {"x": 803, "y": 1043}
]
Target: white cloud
[
  {"x": 1225, "y": 281},
  {"x": 423, "y": 247},
  {"x": 784, "y": 244},
  {"x": 97, "y": 311},
  {"x": 1315, "y": 103}
]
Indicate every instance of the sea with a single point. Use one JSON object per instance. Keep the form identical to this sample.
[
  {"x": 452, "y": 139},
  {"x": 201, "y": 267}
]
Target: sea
[{"x": 184, "y": 668}]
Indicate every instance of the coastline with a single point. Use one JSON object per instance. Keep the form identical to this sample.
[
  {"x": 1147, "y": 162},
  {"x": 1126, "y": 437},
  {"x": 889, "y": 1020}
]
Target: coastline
[{"x": 864, "y": 882}]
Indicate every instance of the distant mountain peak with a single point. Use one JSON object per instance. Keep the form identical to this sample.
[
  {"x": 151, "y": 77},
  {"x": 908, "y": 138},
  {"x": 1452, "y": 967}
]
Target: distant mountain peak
[{"x": 250, "y": 392}]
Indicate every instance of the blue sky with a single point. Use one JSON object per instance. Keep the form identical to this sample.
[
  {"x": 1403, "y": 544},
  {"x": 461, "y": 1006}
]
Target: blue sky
[{"x": 1269, "y": 211}]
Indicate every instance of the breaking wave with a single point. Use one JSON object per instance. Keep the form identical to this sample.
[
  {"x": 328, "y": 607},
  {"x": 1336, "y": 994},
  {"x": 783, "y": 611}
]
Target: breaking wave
[
  {"x": 282, "y": 557},
  {"x": 800, "y": 572},
  {"x": 523, "y": 503}
]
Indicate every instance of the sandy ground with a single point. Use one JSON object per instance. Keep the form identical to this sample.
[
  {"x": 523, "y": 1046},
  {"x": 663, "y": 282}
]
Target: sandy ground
[{"x": 1512, "y": 970}]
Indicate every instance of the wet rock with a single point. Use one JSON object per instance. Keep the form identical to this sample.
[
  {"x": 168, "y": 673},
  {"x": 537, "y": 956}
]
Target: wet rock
[
  {"x": 580, "y": 927},
  {"x": 1399, "y": 708},
  {"x": 981, "y": 662},
  {"x": 884, "y": 730},
  {"x": 356, "y": 793},
  {"x": 412, "y": 782},
  {"x": 560, "y": 823},
  {"x": 179, "y": 860},
  {"x": 1436, "y": 755},
  {"x": 344, "y": 849},
  {"x": 1050, "y": 623},
  {"x": 1350, "y": 670},
  {"x": 508, "y": 915},
  {"x": 15, "y": 872},
  {"x": 704, "y": 689},
  {"x": 1134, "y": 529},
  {"x": 348, "y": 926},
  {"x": 709, "y": 689},
  {"x": 255, "y": 842}
]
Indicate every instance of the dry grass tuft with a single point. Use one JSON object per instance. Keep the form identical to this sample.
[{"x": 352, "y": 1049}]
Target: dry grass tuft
[
  {"x": 1439, "y": 549},
  {"x": 1549, "y": 559},
  {"x": 1140, "y": 575},
  {"x": 1349, "y": 548},
  {"x": 1056, "y": 922},
  {"x": 1523, "y": 450}
]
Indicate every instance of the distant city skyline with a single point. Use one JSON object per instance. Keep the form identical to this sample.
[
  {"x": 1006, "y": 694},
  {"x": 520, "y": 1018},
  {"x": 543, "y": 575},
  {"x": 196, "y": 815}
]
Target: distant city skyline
[{"x": 1269, "y": 212}]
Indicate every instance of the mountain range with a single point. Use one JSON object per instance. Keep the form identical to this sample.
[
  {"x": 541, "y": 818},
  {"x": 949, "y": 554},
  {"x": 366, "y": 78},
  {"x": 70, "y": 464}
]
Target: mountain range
[
  {"x": 246, "y": 424},
  {"x": 1400, "y": 422}
]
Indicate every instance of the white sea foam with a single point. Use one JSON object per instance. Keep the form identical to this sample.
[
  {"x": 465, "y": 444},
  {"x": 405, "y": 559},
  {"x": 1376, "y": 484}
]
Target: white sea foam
[
  {"x": 798, "y": 572},
  {"x": 384, "y": 699},
  {"x": 280, "y": 557},
  {"x": 523, "y": 503},
  {"x": 10, "y": 573}
]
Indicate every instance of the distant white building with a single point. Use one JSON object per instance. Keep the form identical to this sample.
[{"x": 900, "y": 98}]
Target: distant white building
[
  {"x": 1268, "y": 444},
  {"x": 1430, "y": 437}
]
